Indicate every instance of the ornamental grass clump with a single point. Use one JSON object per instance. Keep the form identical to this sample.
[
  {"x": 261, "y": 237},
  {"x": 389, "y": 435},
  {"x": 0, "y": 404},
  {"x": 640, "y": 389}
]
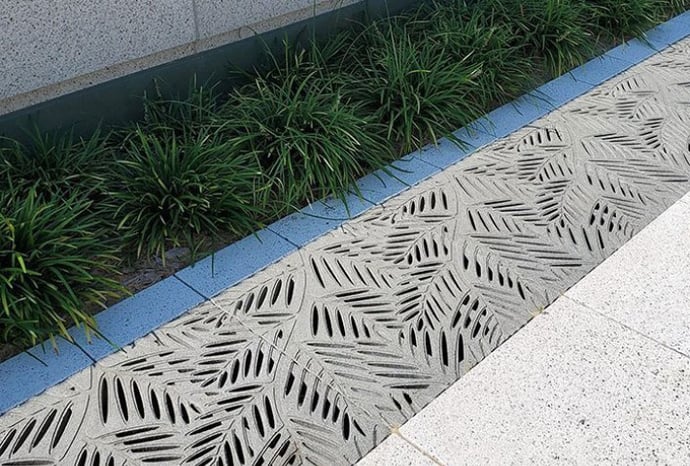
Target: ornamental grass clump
[
  {"x": 417, "y": 89},
  {"x": 314, "y": 61},
  {"x": 465, "y": 32},
  {"x": 54, "y": 266},
  {"x": 675, "y": 7},
  {"x": 554, "y": 32},
  {"x": 625, "y": 20},
  {"x": 52, "y": 164},
  {"x": 192, "y": 112},
  {"x": 176, "y": 191},
  {"x": 310, "y": 140}
]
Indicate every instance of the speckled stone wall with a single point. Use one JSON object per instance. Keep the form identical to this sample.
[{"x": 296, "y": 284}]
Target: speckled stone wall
[{"x": 49, "y": 48}]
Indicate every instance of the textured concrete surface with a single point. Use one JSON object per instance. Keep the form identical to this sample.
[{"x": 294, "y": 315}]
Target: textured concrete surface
[
  {"x": 219, "y": 17},
  {"x": 318, "y": 357},
  {"x": 45, "y": 42},
  {"x": 572, "y": 387},
  {"x": 646, "y": 284}
]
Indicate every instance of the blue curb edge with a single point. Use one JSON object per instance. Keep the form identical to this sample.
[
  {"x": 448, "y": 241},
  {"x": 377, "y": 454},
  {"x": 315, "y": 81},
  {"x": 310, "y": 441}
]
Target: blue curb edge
[{"x": 32, "y": 372}]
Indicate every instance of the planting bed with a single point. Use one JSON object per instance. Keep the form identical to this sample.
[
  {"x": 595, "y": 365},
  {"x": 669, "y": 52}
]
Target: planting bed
[{"x": 206, "y": 167}]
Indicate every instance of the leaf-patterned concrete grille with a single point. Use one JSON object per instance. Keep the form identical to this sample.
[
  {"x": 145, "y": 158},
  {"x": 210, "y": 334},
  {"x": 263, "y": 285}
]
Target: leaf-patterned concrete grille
[{"x": 313, "y": 360}]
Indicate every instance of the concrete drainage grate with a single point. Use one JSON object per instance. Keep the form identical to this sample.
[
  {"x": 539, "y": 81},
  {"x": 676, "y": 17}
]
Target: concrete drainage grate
[{"x": 315, "y": 359}]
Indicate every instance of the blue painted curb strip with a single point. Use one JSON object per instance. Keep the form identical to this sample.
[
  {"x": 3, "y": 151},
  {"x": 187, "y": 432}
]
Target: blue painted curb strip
[
  {"x": 235, "y": 263},
  {"x": 318, "y": 218},
  {"x": 632, "y": 52},
  {"x": 447, "y": 153},
  {"x": 670, "y": 32},
  {"x": 323, "y": 216},
  {"x": 560, "y": 91},
  {"x": 23, "y": 376},
  {"x": 599, "y": 70},
  {"x": 137, "y": 316}
]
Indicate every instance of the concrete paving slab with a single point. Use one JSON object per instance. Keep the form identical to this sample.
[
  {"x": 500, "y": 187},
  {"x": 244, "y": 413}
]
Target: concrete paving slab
[
  {"x": 646, "y": 284},
  {"x": 572, "y": 387}
]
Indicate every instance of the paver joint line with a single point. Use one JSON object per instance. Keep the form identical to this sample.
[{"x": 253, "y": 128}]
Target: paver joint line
[
  {"x": 317, "y": 356},
  {"x": 419, "y": 449},
  {"x": 626, "y": 326}
]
